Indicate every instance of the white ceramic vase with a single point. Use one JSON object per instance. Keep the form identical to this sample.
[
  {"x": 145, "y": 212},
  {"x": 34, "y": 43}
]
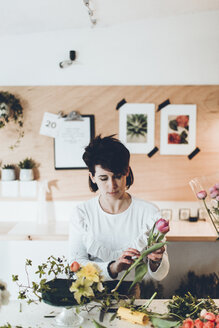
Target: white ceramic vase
[
  {"x": 26, "y": 175},
  {"x": 8, "y": 175}
]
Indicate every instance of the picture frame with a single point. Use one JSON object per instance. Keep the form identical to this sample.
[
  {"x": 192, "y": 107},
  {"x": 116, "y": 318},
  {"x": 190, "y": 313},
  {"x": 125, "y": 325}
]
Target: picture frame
[
  {"x": 184, "y": 213},
  {"x": 166, "y": 214},
  {"x": 73, "y": 137},
  {"x": 178, "y": 129},
  {"x": 136, "y": 127}
]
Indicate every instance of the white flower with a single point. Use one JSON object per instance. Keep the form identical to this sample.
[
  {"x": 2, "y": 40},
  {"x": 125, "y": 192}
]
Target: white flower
[
  {"x": 4, "y": 294},
  {"x": 202, "y": 313},
  {"x": 214, "y": 203}
]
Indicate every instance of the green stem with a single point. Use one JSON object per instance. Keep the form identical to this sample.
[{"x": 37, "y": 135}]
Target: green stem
[
  {"x": 209, "y": 214},
  {"x": 145, "y": 253},
  {"x": 176, "y": 315},
  {"x": 144, "y": 306}
]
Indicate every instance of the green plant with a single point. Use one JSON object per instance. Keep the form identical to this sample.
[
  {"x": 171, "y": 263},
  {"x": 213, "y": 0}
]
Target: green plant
[
  {"x": 8, "y": 166},
  {"x": 137, "y": 125},
  {"x": 11, "y": 110},
  {"x": 27, "y": 163}
]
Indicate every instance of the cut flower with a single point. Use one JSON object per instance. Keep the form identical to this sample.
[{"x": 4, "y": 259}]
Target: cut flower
[
  {"x": 90, "y": 272},
  {"x": 81, "y": 287}
]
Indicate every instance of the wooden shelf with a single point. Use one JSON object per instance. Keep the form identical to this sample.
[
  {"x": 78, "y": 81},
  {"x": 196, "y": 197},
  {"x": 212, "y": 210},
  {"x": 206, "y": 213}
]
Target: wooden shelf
[
  {"x": 191, "y": 231},
  {"x": 179, "y": 231}
]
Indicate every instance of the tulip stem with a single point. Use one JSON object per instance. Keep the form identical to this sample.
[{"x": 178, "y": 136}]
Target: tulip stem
[{"x": 209, "y": 214}]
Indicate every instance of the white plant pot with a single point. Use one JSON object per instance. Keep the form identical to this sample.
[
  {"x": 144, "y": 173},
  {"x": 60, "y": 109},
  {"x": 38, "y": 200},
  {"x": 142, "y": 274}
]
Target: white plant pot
[
  {"x": 8, "y": 175},
  {"x": 26, "y": 175}
]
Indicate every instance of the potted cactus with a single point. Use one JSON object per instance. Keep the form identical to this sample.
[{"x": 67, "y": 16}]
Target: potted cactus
[
  {"x": 8, "y": 172},
  {"x": 26, "y": 169}
]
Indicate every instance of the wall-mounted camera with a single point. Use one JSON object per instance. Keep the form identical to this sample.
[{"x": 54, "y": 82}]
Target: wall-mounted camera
[{"x": 66, "y": 63}]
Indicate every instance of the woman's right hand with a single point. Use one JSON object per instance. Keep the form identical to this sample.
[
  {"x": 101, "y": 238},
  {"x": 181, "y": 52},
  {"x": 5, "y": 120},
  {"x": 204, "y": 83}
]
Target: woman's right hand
[{"x": 124, "y": 261}]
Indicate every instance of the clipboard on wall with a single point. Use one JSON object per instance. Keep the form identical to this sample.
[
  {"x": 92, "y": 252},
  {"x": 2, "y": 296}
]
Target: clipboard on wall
[{"x": 74, "y": 136}]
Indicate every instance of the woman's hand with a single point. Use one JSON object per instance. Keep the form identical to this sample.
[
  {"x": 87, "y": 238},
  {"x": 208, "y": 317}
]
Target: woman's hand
[
  {"x": 124, "y": 261},
  {"x": 155, "y": 258}
]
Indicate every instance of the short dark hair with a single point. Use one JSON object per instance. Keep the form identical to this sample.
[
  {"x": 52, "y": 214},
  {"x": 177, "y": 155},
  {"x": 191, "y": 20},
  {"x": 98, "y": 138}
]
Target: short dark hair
[{"x": 110, "y": 154}]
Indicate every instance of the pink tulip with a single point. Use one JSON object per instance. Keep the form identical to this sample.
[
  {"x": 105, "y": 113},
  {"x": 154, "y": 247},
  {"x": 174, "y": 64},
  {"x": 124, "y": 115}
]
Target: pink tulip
[
  {"x": 209, "y": 316},
  {"x": 216, "y": 186},
  {"x": 202, "y": 194},
  {"x": 214, "y": 193},
  {"x": 162, "y": 225},
  {"x": 198, "y": 323},
  {"x": 75, "y": 266},
  {"x": 212, "y": 189},
  {"x": 217, "y": 198}
]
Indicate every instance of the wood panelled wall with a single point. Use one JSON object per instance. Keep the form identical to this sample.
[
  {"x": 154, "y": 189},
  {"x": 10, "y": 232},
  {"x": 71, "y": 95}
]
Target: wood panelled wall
[{"x": 157, "y": 178}]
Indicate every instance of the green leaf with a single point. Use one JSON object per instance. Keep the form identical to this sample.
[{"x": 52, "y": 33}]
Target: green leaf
[
  {"x": 140, "y": 271},
  {"x": 113, "y": 316},
  {"x": 97, "y": 324},
  {"x": 160, "y": 238},
  {"x": 14, "y": 277},
  {"x": 173, "y": 125},
  {"x": 158, "y": 322}
]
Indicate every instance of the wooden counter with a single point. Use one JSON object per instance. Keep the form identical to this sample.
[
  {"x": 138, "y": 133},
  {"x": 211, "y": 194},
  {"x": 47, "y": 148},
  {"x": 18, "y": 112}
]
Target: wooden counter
[{"x": 179, "y": 231}]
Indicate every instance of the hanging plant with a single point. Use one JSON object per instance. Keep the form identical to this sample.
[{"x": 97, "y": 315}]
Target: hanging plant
[{"x": 11, "y": 110}]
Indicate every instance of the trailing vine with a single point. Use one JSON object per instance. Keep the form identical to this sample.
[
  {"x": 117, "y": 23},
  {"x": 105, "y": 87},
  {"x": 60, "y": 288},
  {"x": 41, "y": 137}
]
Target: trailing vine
[{"x": 11, "y": 110}]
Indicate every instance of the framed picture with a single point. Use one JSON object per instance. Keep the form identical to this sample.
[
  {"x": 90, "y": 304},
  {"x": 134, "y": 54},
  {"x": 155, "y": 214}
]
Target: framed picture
[
  {"x": 72, "y": 138},
  {"x": 136, "y": 127},
  {"x": 166, "y": 214},
  {"x": 184, "y": 213},
  {"x": 178, "y": 130}
]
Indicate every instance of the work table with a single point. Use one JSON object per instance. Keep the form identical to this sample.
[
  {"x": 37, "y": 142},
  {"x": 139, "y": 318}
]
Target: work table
[
  {"x": 179, "y": 231},
  {"x": 42, "y": 315}
]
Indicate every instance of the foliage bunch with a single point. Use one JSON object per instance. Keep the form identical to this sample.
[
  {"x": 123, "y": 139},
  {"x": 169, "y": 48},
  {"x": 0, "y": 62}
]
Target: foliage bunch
[
  {"x": 8, "y": 166},
  {"x": 53, "y": 266},
  {"x": 15, "y": 109},
  {"x": 27, "y": 163},
  {"x": 189, "y": 306}
]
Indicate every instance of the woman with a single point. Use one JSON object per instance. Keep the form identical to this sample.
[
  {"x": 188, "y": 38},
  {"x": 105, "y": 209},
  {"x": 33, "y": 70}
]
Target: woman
[{"x": 112, "y": 229}]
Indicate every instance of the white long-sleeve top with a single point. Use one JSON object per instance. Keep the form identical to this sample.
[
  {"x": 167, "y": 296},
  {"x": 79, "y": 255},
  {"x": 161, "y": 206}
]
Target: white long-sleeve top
[{"x": 100, "y": 237}]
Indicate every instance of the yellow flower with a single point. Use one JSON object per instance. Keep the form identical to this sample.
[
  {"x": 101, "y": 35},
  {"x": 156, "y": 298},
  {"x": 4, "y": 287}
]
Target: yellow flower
[
  {"x": 100, "y": 287},
  {"x": 90, "y": 272},
  {"x": 81, "y": 287}
]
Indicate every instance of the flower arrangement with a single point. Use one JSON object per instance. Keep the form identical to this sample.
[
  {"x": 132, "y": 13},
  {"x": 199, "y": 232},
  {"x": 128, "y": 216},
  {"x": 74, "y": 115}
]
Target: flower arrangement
[
  {"x": 205, "y": 320},
  {"x": 4, "y": 294},
  {"x": 89, "y": 280},
  {"x": 183, "y": 312},
  {"x": 213, "y": 213},
  {"x": 210, "y": 201}
]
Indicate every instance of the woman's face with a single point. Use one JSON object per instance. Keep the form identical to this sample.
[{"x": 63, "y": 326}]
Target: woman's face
[{"x": 109, "y": 184}]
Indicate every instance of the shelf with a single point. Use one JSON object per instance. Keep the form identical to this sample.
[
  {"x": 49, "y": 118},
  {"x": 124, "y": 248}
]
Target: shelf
[{"x": 179, "y": 231}]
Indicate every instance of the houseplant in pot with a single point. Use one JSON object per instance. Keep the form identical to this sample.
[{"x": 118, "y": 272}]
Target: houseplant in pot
[
  {"x": 11, "y": 110},
  {"x": 26, "y": 169},
  {"x": 8, "y": 172}
]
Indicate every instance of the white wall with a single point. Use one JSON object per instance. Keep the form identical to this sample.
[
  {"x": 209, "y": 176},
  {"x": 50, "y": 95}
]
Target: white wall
[{"x": 181, "y": 49}]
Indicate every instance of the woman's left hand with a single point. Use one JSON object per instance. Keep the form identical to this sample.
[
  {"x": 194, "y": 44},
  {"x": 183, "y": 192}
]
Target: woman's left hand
[{"x": 157, "y": 255}]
